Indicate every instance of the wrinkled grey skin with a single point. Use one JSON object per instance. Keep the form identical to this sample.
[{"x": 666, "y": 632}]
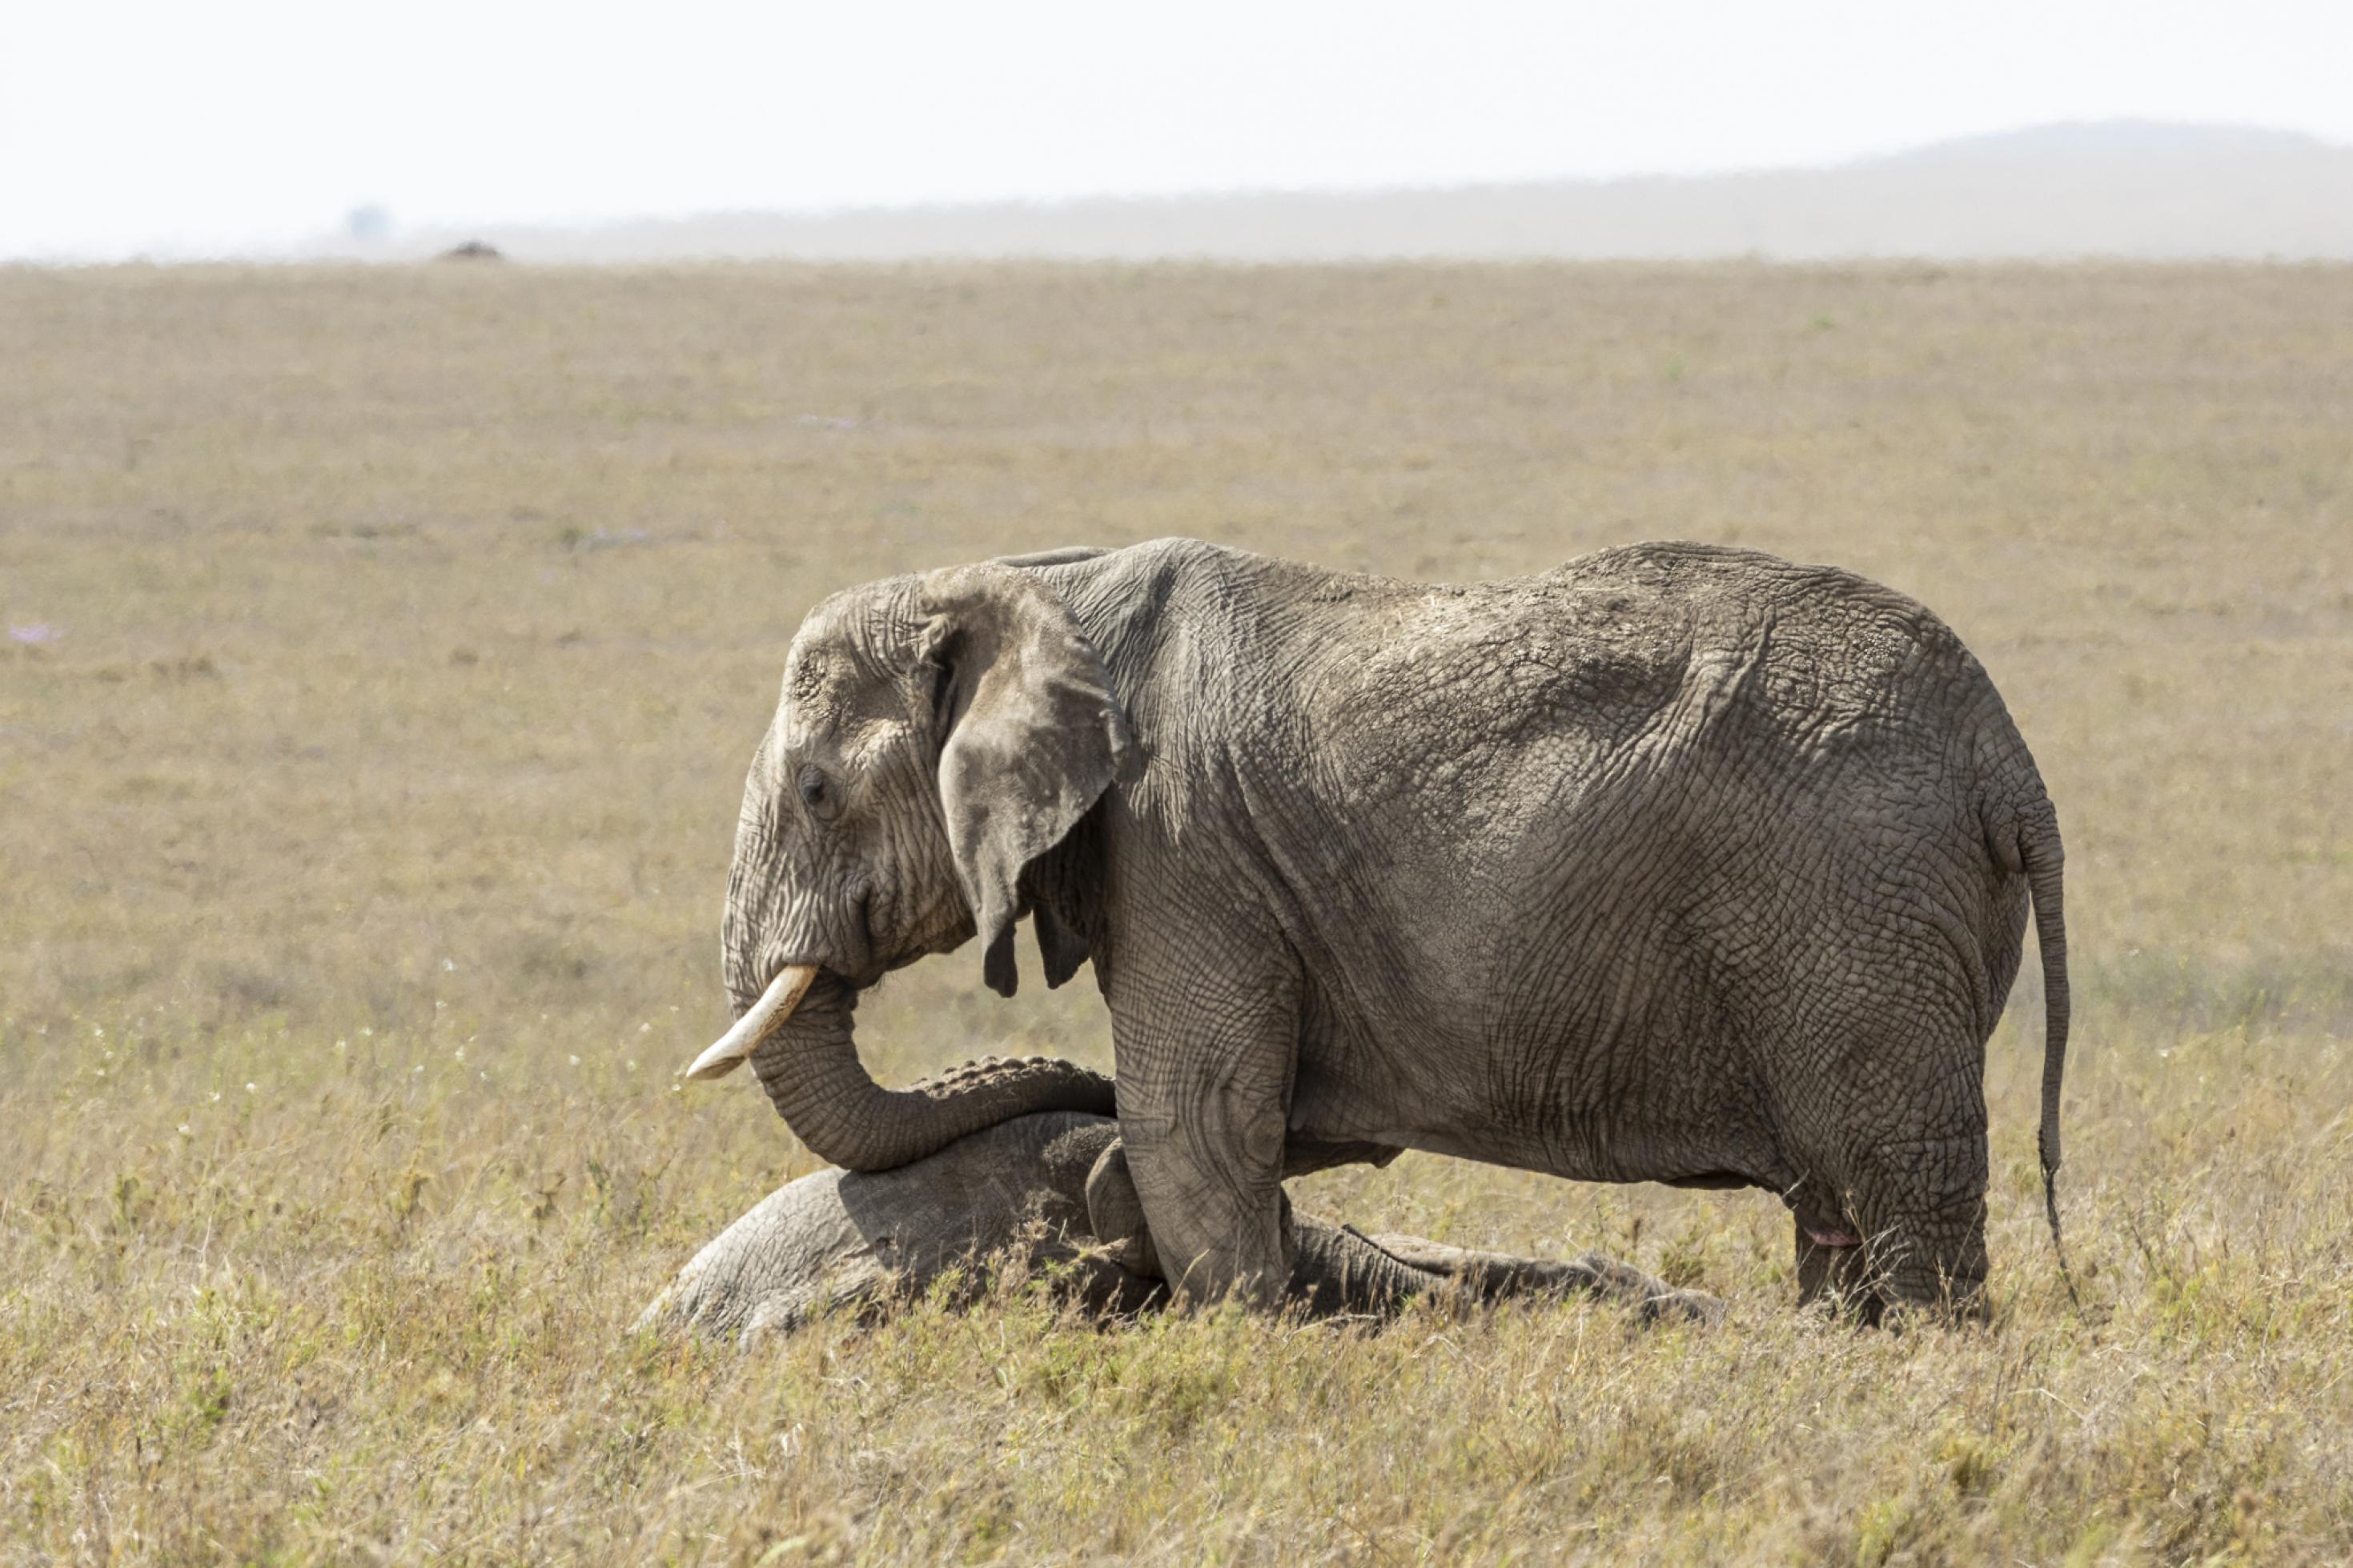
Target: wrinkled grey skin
[
  {"x": 1675, "y": 864},
  {"x": 1035, "y": 1186}
]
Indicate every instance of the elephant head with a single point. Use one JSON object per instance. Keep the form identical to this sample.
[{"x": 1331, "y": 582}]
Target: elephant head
[{"x": 935, "y": 736}]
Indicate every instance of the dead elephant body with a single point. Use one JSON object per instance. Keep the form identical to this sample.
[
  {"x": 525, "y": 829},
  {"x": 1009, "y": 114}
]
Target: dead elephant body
[{"x": 852, "y": 1242}]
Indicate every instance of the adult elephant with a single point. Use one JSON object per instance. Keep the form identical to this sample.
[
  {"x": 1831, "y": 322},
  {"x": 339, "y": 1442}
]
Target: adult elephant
[{"x": 1677, "y": 864}]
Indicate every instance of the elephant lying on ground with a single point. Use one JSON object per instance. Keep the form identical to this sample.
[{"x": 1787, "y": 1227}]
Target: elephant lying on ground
[
  {"x": 1041, "y": 1184},
  {"x": 1677, "y": 864}
]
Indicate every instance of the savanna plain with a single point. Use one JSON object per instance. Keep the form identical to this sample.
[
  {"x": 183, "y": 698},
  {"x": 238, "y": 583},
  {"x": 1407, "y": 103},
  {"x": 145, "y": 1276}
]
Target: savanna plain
[{"x": 383, "y": 650}]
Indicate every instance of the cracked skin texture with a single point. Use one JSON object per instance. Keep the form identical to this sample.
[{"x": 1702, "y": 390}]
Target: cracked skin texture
[{"x": 1677, "y": 863}]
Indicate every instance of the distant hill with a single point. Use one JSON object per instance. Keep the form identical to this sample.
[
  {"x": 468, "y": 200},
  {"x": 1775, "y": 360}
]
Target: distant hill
[
  {"x": 2141, "y": 189},
  {"x": 2077, "y": 137}
]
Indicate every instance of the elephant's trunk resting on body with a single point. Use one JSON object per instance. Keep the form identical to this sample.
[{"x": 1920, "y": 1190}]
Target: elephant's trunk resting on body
[
  {"x": 801, "y": 1042},
  {"x": 799, "y": 1039}
]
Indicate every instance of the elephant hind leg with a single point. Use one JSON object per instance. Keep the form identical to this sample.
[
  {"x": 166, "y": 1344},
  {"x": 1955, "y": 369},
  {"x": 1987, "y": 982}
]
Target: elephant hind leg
[
  {"x": 1918, "y": 1211},
  {"x": 1936, "y": 1261}
]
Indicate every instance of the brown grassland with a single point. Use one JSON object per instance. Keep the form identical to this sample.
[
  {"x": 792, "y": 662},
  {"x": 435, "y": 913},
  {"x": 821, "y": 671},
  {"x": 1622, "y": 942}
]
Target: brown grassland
[{"x": 384, "y": 649}]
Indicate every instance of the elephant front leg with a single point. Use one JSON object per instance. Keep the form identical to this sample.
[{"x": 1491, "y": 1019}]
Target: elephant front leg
[{"x": 1201, "y": 1114}]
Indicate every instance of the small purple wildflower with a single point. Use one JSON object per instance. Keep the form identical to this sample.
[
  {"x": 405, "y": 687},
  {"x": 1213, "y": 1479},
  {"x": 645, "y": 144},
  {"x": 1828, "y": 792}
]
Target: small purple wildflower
[{"x": 35, "y": 632}]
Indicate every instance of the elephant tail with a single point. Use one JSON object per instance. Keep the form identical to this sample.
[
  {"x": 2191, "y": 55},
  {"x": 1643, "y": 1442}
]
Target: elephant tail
[{"x": 2044, "y": 859}]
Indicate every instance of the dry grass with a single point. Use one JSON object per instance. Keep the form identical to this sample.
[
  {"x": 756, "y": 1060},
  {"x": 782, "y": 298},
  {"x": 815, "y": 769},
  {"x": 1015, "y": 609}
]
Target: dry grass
[{"x": 368, "y": 800}]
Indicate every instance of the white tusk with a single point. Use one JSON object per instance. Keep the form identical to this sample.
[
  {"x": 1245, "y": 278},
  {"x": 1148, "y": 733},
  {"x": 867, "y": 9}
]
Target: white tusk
[{"x": 776, "y": 1004}]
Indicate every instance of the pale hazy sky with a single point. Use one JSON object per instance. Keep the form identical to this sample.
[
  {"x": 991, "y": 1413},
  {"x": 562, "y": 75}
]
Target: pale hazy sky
[{"x": 197, "y": 126}]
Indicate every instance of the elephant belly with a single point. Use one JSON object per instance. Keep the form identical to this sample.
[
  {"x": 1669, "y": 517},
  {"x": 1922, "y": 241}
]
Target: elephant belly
[{"x": 1579, "y": 1094}]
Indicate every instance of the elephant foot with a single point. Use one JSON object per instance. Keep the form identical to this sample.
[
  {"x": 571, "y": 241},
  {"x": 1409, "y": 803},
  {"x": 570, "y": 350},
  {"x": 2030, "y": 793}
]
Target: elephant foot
[{"x": 1671, "y": 1306}]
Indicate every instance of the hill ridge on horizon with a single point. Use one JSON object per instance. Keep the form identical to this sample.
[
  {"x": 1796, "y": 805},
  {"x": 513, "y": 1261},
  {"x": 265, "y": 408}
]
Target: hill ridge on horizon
[{"x": 2130, "y": 189}]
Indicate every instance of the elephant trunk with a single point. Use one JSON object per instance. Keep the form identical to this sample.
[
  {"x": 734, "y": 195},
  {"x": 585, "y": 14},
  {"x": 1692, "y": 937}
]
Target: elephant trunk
[{"x": 809, "y": 1064}]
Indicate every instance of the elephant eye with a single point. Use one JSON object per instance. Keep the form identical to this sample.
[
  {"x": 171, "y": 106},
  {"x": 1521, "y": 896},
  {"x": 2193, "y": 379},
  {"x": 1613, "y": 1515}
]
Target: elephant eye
[{"x": 816, "y": 794}]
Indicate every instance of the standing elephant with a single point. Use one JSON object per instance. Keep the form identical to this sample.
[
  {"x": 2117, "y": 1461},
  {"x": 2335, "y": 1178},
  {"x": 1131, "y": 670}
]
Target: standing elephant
[{"x": 1675, "y": 864}]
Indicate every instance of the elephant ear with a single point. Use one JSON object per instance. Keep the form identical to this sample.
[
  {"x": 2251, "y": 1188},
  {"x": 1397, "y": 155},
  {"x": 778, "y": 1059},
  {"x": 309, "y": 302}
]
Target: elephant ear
[
  {"x": 1060, "y": 948},
  {"x": 1031, "y": 737}
]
